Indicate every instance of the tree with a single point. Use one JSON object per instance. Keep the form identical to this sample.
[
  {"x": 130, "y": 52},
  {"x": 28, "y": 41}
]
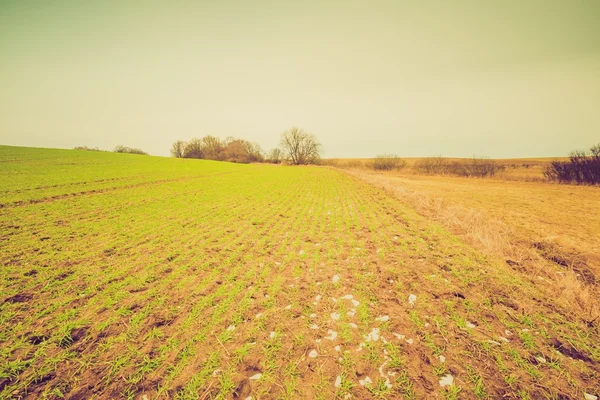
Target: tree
[
  {"x": 212, "y": 147},
  {"x": 275, "y": 156},
  {"x": 300, "y": 147},
  {"x": 193, "y": 149},
  {"x": 178, "y": 149}
]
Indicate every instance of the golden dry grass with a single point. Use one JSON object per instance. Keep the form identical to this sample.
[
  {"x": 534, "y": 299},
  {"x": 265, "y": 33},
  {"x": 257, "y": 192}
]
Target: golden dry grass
[
  {"x": 551, "y": 232},
  {"x": 515, "y": 169}
]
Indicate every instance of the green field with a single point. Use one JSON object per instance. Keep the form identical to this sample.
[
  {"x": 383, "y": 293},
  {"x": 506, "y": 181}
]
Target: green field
[{"x": 126, "y": 276}]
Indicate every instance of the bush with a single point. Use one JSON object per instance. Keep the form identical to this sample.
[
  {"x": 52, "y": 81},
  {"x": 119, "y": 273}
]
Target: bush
[
  {"x": 432, "y": 166},
  {"x": 388, "y": 162},
  {"x": 479, "y": 167},
  {"x": 582, "y": 167},
  {"x": 129, "y": 150},
  {"x": 86, "y": 148},
  {"x": 213, "y": 148}
]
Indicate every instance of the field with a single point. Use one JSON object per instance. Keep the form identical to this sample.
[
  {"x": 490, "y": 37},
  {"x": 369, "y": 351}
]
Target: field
[
  {"x": 514, "y": 169},
  {"x": 128, "y": 276}
]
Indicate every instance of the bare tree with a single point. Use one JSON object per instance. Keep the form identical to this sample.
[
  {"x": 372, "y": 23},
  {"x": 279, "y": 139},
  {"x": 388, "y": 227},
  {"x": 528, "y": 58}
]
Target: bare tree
[
  {"x": 275, "y": 156},
  {"x": 300, "y": 147},
  {"x": 193, "y": 149},
  {"x": 178, "y": 148},
  {"x": 212, "y": 147}
]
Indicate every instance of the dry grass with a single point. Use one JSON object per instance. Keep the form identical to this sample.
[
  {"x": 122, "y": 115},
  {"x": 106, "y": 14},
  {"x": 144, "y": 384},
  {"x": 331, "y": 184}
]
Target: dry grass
[
  {"x": 515, "y": 169},
  {"x": 550, "y": 232}
]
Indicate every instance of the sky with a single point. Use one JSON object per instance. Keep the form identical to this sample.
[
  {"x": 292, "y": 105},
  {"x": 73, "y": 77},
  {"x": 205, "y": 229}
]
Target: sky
[{"x": 511, "y": 78}]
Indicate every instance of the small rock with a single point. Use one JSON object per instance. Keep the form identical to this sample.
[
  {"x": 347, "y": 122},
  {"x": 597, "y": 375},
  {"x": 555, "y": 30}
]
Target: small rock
[
  {"x": 335, "y": 279},
  {"x": 411, "y": 300},
  {"x": 258, "y": 315},
  {"x": 314, "y": 326},
  {"x": 410, "y": 341},
  {"x": 588, "y": 396},
  {"x": 313, "y": 354},
  {"x": 338, "y": 381},
  {"x": 365, "y": 381},
  {"x": 338, "y": 348},
  {"x": 442, "y": 359},
  {"x": 272, "y": 334},
  {"x": 347, "y": 297},
  {"x": 470, "y": 325},
  {"x": 353, "y": 325},
  {"x": 446, "y": 380},
  {"x": 383, "y": 318},
  {"x": 373, "y": 336},
  {"x": 231, "y": 328},
  {"x": 255, "y": 377},
  {"x": 313, "y": 315},
  {"x": 335, "y": 316},
  {"x": 355, "y": 303},
  {"x": 288, "y": 307},
  {"x": 332, "y": 335},
  {"x": 301, "y": 252}
]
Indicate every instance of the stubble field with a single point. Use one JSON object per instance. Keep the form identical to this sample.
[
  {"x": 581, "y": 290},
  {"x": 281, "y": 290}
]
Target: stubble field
[{"x": 127, "y": 276}]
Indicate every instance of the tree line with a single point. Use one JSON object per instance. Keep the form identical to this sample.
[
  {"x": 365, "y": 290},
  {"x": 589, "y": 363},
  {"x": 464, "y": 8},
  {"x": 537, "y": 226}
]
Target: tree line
[{"x": 297, "y": 147}]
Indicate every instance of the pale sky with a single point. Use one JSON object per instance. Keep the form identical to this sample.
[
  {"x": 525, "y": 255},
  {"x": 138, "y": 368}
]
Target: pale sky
[{"x": 511, "y": 78}]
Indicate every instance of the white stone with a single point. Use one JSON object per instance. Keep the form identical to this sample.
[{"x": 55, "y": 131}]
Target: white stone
[
  {"x": 338, "y": 381},
  {"x": 231, "y": 328},
  {"x": 318, "y": 298},
  {"x": 446, "y": 380},
  {"x": 373, "y": 336},
  {"x": 365, "y": 381},
  {"x": 383, "y": 318},
  {"x": 588, "y": 396},
  {"x": 470, "y": 325},
  {"x": 353, "y": 325},
  {"x": 288, "y": 307},
  {"x": 399, "y": 336},
  {"x": 410, "y": 341},
  {"x": 335, "y": 316},
  {"x": 255, "y": 377},
  {"x": 313, "y": 354},
  {"x": 347, "y": 297},
  {"x": 301, "y": 252},
  {"x": 411, "y": 300},
  {"x": 258, "y": 315},
  {"x": 272, "y": 334},
  {"x": 355, "y": 303},
  {"x": 338, "y": 348},
  {"x": 314, "y": 326},
  {"x": 313, "y": 315},
  {"x": 332, "y": 335},
  {"x": 335, "y": 279},
  {"x": 442, "y": 359}
]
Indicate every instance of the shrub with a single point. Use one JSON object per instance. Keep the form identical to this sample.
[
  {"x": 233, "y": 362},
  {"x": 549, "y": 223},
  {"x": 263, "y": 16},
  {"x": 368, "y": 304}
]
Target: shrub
[
  {"x": 479, "y": 167},
  {"x": 86, "y": 148},
  {"x": 582, "y": 167},
  {"x": 213, "y": 148},
  {"x": 129, "y": 150},
  {"x": 275, "y": 156},
  {"x": 432, "y": 165},
  {"x": 388, "y": 162}
]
